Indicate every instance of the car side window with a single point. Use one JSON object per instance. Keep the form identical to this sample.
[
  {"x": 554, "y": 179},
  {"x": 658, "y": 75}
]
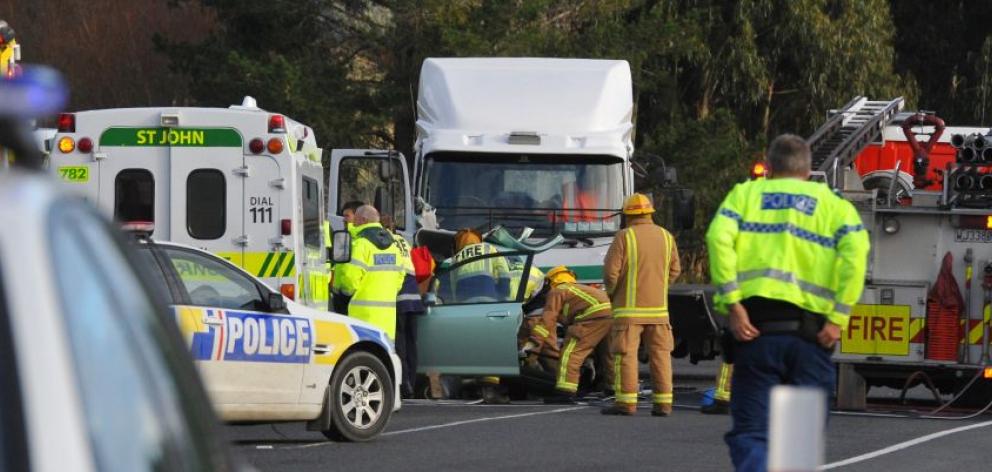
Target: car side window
[
  {"x": 129, "y": 385},
  {"x": 213, "y": 284},
  {"x": 475, "y": 279}
]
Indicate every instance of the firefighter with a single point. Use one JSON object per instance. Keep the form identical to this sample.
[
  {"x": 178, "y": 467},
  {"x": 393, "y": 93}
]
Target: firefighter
[
  {"x": 585, "y": 313},
  {"x": 374, "y": 277},
  {"x": 721, "y": 393},
  {"x": 639, "y": 265},
  {"x": 486, "y": 279},
  {"x": 408, "y": 305},
  {"x": 534, "y": 282},
  {"x": 788, "y": 259}
]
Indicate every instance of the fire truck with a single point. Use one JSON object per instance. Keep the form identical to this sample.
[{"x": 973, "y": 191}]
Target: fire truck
[{"x": 924, "y": 191}]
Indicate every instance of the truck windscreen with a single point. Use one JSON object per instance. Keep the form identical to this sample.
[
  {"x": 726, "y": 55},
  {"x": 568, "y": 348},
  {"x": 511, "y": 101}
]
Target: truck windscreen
[{"x": 571, "y": 194}]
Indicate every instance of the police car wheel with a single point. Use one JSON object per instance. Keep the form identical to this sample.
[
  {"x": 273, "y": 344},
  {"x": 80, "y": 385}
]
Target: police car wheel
[{"x": 362, "y": 398}]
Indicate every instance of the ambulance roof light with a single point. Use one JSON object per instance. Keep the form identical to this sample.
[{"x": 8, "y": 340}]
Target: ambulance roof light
[
  {"x": 249, "y": 102},
  {"x": 67, "y": 123},
  {"x": 277, "y": 124}
]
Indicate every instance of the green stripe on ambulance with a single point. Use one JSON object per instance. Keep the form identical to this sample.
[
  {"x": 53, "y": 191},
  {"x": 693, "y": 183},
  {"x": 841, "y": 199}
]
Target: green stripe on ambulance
[{"x": 171, "y": 137}]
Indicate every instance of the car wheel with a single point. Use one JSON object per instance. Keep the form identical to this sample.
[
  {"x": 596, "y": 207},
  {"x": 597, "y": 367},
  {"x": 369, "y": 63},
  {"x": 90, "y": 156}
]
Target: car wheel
[{"x": 361, "y": 400}]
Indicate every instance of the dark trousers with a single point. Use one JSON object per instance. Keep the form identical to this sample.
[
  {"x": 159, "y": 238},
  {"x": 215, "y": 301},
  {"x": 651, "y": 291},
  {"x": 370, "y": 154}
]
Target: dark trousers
[
  {"x": 406, "y": 348},
  {"x": 759, "y": 365}
]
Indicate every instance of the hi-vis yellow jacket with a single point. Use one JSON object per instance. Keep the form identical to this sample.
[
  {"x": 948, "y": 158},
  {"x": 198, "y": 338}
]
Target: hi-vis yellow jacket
[
  {"x": 789, "y": 240},
  {"x": 373, "y": 278}
]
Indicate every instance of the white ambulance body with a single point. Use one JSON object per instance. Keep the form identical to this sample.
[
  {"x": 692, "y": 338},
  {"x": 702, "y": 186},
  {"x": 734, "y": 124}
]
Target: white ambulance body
[{"x": 240, "y": 182}]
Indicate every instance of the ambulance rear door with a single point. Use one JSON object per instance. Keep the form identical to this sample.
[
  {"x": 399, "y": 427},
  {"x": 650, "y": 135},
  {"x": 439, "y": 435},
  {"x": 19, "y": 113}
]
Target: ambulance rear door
[
  {"x": 206, "y": 168},
  {"x": 371, "y": 176},
  {"x": 133, "y": 174},
  {"x": 268, "y": 253}
]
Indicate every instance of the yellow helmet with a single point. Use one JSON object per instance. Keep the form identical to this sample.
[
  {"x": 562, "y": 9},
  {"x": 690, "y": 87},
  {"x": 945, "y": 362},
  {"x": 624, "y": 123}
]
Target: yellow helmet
[
  {"x": 638, "y": 204},
  {"x": 466, "y": 237},
  {"x": 560, "y": 275}
]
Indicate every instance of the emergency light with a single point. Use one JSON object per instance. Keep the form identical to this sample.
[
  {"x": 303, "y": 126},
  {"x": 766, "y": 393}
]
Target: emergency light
[
  {"x": 289, "y": 290},
  {"x": 67, "y": 123},
  {"x": 66, "y": 145},
  {"x": 277, "y": 124},
  {"x": 275, "y": 146},
  {"x": 758, "y": 170},
  {"x": 286, "y": 227}
]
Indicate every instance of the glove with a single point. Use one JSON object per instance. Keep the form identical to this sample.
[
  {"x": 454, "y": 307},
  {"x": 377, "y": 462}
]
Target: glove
[{"x": 528, "y": 347}]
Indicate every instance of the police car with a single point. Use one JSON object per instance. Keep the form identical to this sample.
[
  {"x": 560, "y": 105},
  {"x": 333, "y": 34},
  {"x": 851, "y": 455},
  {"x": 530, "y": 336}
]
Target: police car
[
  {"x": 266, "y": 358},
  {"x": 94, "y": 372}
]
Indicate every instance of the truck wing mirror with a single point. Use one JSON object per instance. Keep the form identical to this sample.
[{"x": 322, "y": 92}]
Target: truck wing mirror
[
  {"x": 341, "y": 250},
  {"x": 385, "y": 170},
  {"x": 683, "y": 209}
]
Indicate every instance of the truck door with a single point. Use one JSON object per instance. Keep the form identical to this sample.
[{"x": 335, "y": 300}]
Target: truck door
[
  {"x": 207, "y": 190},
  {"x": 133, "y": 173},
  {"x": 376, "y": 177}
]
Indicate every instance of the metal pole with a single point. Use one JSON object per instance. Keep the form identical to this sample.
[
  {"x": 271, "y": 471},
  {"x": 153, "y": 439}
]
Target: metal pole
[
  {"x": 968, "y": 272},
  {"x": 796, "y": 429}
]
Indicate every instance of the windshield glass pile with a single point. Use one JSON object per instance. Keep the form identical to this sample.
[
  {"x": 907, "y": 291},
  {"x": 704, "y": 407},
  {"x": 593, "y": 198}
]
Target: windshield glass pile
[{"x": 552, "y": 193}]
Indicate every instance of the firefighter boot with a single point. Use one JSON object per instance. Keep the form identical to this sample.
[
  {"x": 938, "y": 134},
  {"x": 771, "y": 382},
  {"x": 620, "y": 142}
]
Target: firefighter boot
[
  {"x": 620, "y": 409},
  {"x": 561, "y": 398},
  {"x": 660, "y": 409},
  {"x": 718, "y": 407}
]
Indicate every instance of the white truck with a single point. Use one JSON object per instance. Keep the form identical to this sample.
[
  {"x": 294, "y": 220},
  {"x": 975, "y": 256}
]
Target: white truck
[
  {"x": 240, "y": 182},
  {"x": 520, "y": 142}
]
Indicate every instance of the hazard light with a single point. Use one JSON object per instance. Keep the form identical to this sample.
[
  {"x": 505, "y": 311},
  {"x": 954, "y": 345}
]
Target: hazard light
[
  {"x": 277, "y": 124},
  {"x": 256, "y": 146},
  {"x": 286, "y": 227},
  {"x": 67, "y": 123},
  {"x": 988, "y": 373},
  {"x": 85, "y": 145},
  {"x": 759, "y": 170},
  {"x": 275, "y": 146},
  {"x": 289, "y": 290},
  {"x": 66, "y": 145}
]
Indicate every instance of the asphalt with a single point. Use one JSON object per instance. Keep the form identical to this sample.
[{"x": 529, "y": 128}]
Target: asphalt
[{"x": 457, "y": 435}]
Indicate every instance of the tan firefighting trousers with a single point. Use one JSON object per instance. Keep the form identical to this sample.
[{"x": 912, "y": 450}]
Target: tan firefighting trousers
[
  {"x": 722, "y": 391},
  {"x": 658, "y": 342},
  {"x": 580, "y": 340}
]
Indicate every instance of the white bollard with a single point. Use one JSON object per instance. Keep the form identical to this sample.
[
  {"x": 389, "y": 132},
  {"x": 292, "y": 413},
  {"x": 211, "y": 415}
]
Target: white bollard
[{"x": 795, "y": 429}]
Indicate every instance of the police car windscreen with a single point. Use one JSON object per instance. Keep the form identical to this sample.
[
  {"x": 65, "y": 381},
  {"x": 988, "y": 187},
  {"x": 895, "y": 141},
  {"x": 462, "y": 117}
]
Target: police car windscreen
[{"x": 551, "y": 193}]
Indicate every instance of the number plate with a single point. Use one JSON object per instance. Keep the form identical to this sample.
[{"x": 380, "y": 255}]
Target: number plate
[
  {"x": 77, "y": 174},
  {"x": 973, "y": 236}
]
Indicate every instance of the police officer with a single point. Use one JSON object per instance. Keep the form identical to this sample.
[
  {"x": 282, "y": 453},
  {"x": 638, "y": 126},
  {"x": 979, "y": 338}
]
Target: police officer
[
  {"x": 339, "y": 301},
  {"x": 788, "y": 258},
  {"x": 585, "y": 313},
  {"x": 639, "y": 265},
  {"x": 374, "y": 277}
]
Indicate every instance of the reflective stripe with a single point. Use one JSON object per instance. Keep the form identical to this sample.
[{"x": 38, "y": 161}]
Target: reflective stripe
[
  {"x": 631, "y": 268},
  {"x": 728, "y": 287},
  {"x": 842, "y": 308},
  {"x": 787, "y": 277},
  {"x": 663, "y": 398},
  {"x": 567, "y": 387},
  {"x": 566, "y": 310},
  {"x": 731, "y": 214},
  {"x": 385, "y": 268},
  {"x": 659, "y": 312},
  {"x": 616, "y": 375},
  {"x": 626, "y": 398},
  {"x": 668, "y": 254},
  {"x": 583, "y": 295},
  {"x": 359, "y": 263},
  {"x": 408, "y": 297},
  {"x": 373, "y": 304},
  {"x": 722, "y": 391},
  {"x": 541, "y": 331},
  {"x": 563, "y": 363},
  {"x": 847, "y": 229},
  {"x": 592, "y": 310}
]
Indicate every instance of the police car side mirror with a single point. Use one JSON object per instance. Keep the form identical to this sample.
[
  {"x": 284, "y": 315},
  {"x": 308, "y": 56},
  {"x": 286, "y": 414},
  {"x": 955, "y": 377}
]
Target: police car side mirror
[
  {"x": 341, "y": 250},
  {"x": 276, "y": 302}
]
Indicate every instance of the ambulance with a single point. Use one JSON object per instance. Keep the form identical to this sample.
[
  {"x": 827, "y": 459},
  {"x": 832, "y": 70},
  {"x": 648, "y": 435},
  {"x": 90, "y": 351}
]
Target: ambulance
[{"x": 240, "y": 182}]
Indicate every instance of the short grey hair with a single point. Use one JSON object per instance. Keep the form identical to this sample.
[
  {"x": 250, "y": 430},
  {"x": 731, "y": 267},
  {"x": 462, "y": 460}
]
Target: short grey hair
[
  {"x": 368, "y": 213},
  {"x": 789, "y": 154}
]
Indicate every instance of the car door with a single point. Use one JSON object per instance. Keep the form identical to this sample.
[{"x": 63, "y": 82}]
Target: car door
[
  {"x": 465, "y": 335},
  {"x": 246, "y": 353}
]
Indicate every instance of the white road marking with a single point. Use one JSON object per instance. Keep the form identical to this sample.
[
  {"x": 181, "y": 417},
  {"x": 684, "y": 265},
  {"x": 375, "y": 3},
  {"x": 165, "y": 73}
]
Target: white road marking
[
  {"x": 264, "y": 446},
  {"x": 454, "y": 423},
  {"x": 904, "y": 445}
]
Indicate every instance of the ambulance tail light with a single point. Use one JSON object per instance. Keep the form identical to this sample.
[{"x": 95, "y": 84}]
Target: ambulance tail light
[
  {"x": 67, "y": 123},
  {"x": 275, "y": 146},
  {"x": 277, "y": 124},
  {"x": 288, "y": 290},
  {"x": 286, "y": 227},
  {"x": 758, "y": 170},
  {"x": 85, "y": 145},
  {"x": 256, "y": 146}
]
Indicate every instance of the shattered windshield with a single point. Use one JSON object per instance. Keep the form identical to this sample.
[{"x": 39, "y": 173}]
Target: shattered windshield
[{"x": 570, "y": 194}]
